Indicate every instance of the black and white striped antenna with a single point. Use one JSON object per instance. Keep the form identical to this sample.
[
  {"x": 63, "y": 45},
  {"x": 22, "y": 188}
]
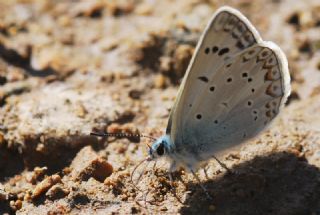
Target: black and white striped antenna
[{"x": 121, "y": 135}]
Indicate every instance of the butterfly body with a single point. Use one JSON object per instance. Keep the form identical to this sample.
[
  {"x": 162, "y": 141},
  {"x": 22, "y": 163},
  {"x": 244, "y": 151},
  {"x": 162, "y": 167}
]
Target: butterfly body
[{"x": 235, "y": 85}]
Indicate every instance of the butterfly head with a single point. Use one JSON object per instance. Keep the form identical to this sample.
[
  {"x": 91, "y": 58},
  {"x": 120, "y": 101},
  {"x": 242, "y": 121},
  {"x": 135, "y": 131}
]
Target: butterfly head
[{"x": 161, "y": 147}]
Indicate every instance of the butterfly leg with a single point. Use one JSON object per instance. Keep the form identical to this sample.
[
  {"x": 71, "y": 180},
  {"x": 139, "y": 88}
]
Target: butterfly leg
[
  {"x": 201, "y": 185},
  {"x": 171, "y": 170},
  {"x": 223, "y": 165},
  {"x": 205, "y": 171}
]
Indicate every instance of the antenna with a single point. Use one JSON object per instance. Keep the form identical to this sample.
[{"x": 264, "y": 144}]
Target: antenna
[{"x": 121, "y": 135}]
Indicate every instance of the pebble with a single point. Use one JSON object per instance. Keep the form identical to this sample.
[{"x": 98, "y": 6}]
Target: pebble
[
  {"x": 15, "y": 205},
  {"x": 164, "y": 208},
  {"x": 57, "y": 192},
  {"x": 160, "y": 81},
  {"x": 81, "y": 110},
  {"x": 88, "y": 164},
  {"x": 37, "y": 173},
  {"x": 45, "y": 185}
]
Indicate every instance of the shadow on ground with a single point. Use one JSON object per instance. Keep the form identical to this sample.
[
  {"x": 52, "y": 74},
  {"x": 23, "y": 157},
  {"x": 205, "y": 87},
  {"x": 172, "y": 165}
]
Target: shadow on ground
[
  {"x": 280, "y": 183},
  {"x": 12, "y": 57},
  {"x": 11, "y": 163}
]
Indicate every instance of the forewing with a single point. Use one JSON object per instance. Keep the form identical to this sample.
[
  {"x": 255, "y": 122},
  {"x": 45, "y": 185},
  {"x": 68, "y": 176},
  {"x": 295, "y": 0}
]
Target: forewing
[
  {"x": 227, "y": 34},
  {"x": 234, "y": 86}
]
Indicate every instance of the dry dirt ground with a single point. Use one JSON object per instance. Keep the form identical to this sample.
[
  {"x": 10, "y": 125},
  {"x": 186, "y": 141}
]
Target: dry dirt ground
[{"x": 70, "y": 67}]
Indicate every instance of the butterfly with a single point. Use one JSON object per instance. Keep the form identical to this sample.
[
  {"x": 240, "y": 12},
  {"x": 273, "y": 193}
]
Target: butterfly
[{"x": 235, "y": 85}]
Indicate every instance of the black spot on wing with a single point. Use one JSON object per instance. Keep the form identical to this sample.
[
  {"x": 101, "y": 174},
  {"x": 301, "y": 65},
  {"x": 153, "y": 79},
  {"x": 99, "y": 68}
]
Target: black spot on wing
[
  {"x": 207, "y": 50},
  {"x": 215, "y": 49},
  {"x": 244, "y": 135},
  {"x": 203, "y": 78},
  {"x": 239, "y": 45},
  {"x": 225, "y": 104},
  {"x": 223, "y": 51}
]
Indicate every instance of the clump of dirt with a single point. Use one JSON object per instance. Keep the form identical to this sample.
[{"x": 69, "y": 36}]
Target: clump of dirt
[
  {"x": 68, "y": 68},
  {"x": 167, "y": 53}
]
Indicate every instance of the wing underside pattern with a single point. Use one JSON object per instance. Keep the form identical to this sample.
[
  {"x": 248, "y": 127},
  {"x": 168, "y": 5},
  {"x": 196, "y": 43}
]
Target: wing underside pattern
[{"x": 235, "y": 85}]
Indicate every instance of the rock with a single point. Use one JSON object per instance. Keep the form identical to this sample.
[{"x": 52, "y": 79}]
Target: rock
[
  {"x": 45, "y": 185},
  {"x": 15, "y": 205},
  {"x": 57, "y": 192},
  {"x": 37, "y": 173},
  {"x": 135, "y": 94},
  {"x": 160, "y": 81},
  {"x": 88, "y": 164}
]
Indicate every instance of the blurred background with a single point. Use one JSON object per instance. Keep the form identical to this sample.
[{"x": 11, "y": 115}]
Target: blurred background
[{"x": 70, "y": 67}]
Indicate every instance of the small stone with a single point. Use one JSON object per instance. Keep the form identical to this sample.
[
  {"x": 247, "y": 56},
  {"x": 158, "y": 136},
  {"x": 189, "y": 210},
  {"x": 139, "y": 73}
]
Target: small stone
[
  {"x": 164, "y": 208},
  {"x": 110, "y": 182},
  {"x": 11, "y": 203},
  {"x": 160, "y": 81},
  {"x": 102, "y": 169},
  {"x": 88, "y": 164},
  {"x": 67, "y": 170},
  {"x": 81, "y": 111},
  {"x": 37, "y": 173},
  {"x": 21, "y": 195},
  {"x": 134, "y": 210},
  {"x": 135, "y": 94},
  {"x": 27, "y": 197},
  {"x": 57, "y": 192},
  {"x": 45, "y": 185},
  {"x": 15, "y": 205},
  {"x": 18, "y": 204},
  {"x": 165, "y": 63},
  {"x": 40, "y": 147}
]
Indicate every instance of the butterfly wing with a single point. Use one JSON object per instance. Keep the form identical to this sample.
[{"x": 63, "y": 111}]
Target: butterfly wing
[
  {"x": 234, "y": 86},
  {"x": 220, "y": 32}
]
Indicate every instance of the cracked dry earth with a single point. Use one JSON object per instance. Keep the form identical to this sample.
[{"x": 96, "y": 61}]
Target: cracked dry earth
[{"x": 70, "y": 67}]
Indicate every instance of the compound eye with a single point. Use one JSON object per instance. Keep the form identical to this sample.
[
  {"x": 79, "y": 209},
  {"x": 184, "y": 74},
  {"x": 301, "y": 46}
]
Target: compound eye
[{"x": 160, "y": 149}]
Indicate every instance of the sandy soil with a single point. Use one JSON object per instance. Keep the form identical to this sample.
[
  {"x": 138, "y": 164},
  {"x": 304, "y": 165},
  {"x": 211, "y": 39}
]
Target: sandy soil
[{"x": 70, "y": 67}]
